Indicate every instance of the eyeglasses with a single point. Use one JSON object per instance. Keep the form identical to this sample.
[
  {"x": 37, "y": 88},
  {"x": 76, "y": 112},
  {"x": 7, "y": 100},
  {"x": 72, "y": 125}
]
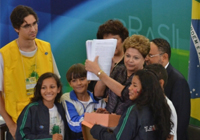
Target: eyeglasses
[
  {"x": 153, "y": 55},
  {"x": 29, "y": 26}
]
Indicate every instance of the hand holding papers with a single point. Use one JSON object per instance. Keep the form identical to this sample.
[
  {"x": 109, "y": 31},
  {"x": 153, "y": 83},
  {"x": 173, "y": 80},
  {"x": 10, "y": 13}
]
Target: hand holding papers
[{"x": 105, "y": 49}]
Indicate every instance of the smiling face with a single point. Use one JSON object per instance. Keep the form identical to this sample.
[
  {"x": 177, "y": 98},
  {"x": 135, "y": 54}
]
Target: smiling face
[
  {"x": 49, "y": 91},
  {"x": 133, "y": 60},
  {"x": 28, "y": 29},
  {"x": 79, "y": 85},
  {"x": 135, "y": 88}
]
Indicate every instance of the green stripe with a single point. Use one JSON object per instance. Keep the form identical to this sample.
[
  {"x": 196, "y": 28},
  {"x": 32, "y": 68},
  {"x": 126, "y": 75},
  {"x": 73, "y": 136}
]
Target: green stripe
[
  {"x": 194, "y": 122},
  {"x": 124, "y": 122},
  {"x": 25, "y": 118}
]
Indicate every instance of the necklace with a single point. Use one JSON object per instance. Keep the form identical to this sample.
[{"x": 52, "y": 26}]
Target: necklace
[{"x": 23, "y": 61}]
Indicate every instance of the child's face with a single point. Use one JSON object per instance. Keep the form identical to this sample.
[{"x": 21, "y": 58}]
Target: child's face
[
  {"x": 79, "y": 85},
  {"x": 135, "y": 88},
  {"x": 49, "y": 90}
]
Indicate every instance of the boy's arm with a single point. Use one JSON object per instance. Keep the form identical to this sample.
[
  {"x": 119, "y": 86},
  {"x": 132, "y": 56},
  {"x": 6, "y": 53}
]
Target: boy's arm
[{"x": 73, "y": 118}]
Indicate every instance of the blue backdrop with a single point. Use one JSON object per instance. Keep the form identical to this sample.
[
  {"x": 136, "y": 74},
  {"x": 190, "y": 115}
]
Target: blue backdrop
[{"x": 67, "y": 24}]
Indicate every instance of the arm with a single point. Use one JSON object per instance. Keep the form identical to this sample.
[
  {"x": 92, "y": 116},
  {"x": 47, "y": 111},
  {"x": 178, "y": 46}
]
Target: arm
[
  {"x": 55, "y": 68},
  {"x": 102, "y": 133},
  {"x": 73, "y": 118},
  {"x": 171, "y": 137},
  {"x": 99, "y": 89},
  {"x": 9, "y": 122},
  {"x": 113, "y": 85},
  {"x": 125, "y": 130},
  {"x": 180, "y": 97}
]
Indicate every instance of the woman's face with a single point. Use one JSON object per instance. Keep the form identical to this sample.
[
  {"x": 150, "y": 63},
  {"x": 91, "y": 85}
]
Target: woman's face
[
  {"x": 133, "y": 60},
  {"x": 135, "y": 88}
]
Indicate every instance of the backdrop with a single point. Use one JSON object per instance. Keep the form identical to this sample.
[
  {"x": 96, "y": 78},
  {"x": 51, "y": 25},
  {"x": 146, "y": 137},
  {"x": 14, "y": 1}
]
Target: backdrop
[{"x": 67, "y": 24}]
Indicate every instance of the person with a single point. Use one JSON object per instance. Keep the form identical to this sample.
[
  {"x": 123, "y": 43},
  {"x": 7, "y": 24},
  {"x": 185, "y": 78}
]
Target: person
[
  {"x": 161, "y": 73},
  {"x": 177, "y": 88},
  {"x": 44, "y": 117},
  {"x": 135, "y": 48},
  {"x": 22, "y": 61},
  {"x": 148, "y": 117},
  {"x": 112, "y": 29},
  {"x": 79, "y": 100}
]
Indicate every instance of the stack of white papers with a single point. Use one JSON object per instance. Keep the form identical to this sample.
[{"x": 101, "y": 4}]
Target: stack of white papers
[{"x": 105, "y": 49}]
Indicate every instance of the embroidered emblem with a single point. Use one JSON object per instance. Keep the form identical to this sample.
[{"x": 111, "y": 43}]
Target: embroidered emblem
[{"x": 150, "y": 128}]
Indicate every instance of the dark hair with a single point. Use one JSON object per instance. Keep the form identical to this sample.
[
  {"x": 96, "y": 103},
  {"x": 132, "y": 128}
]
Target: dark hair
[
  {"x": 37, "y": 89},
  {"x": 139, "y": 42},
  {"x": 152, "y": 95},
  {"x": 19, "y": 13},
  {"x": 114, "y": 27},
  {"x": 76, "y": 71},
  {"x": 159, "y": 70},
  {"x": 163, "y": 46}
]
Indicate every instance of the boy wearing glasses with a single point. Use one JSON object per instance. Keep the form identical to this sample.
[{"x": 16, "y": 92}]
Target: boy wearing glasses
[{"x": 22, "y": 61}]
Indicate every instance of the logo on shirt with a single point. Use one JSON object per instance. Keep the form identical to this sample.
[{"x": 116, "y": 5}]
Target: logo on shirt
[
  {"x": 55, "y": 129},
  {"x": 150, "y": 128}
]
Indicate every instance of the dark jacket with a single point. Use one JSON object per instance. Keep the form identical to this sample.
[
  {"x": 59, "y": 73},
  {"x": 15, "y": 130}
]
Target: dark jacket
[
  {"x": 134, "y": 124},
  {"x": 115, "y": 103},
  {"x": 33, "y": 122},
  {"x": 177, "y": 90}
]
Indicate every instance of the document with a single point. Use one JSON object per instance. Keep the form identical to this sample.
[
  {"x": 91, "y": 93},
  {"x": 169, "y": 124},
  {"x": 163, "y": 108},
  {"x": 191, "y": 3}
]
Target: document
[{"x": 105, "y": 49}]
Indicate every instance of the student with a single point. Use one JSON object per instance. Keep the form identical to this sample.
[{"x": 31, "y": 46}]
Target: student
[
  {"x": 148, "y": 117},
  {"x": 44, "y": 117},
  {"x": 161, "y": 72},
  {"x": 79, "y": 100},
  {"x": 22, "y": 61}
]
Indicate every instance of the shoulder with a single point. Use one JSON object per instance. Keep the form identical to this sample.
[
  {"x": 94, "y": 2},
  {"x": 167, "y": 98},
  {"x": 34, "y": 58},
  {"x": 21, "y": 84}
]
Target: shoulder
[
  {"x": 141, "y": 112},
  {"x": 43, "y": 45},
  {"x": 65, "y": 96},
  {"x": 7, "y": 46},
  {"x": 41, "y": 41},
  {"x": 69, "y": 97},
  {"x": 174, "y": 74},
  {"x": 31, "y": 107}
]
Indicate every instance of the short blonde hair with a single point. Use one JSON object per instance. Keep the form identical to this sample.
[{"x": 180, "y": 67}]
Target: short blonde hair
[{"x": 139, "y": 42}]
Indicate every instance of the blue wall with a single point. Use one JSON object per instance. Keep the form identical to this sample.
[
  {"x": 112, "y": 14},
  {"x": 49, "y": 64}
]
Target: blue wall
[{"x": 68, "y": 24}]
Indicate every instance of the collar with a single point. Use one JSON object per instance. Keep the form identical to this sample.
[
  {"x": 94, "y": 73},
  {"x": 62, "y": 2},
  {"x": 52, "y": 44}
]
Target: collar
[
  {"x": 74, "y": 97},
  {"x": 166, "y": 65}
]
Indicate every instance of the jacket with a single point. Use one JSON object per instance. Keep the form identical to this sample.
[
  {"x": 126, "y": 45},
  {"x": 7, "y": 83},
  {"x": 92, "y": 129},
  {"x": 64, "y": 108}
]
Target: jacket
[
  {"x": 177, "y": 90},
  {"x": 75, "y": 111},
  {"x": 134, "y": 124},
  {"x": 33, "y": 122}
]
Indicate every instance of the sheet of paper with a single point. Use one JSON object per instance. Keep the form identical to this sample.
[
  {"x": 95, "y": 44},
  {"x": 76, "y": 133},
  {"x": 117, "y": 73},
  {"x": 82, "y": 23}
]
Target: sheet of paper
[{"x": 105, "y": 49}]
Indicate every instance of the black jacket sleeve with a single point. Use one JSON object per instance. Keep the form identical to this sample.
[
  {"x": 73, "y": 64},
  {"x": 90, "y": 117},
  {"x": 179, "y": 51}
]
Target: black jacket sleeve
[{"x": 125, "y": 130}]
